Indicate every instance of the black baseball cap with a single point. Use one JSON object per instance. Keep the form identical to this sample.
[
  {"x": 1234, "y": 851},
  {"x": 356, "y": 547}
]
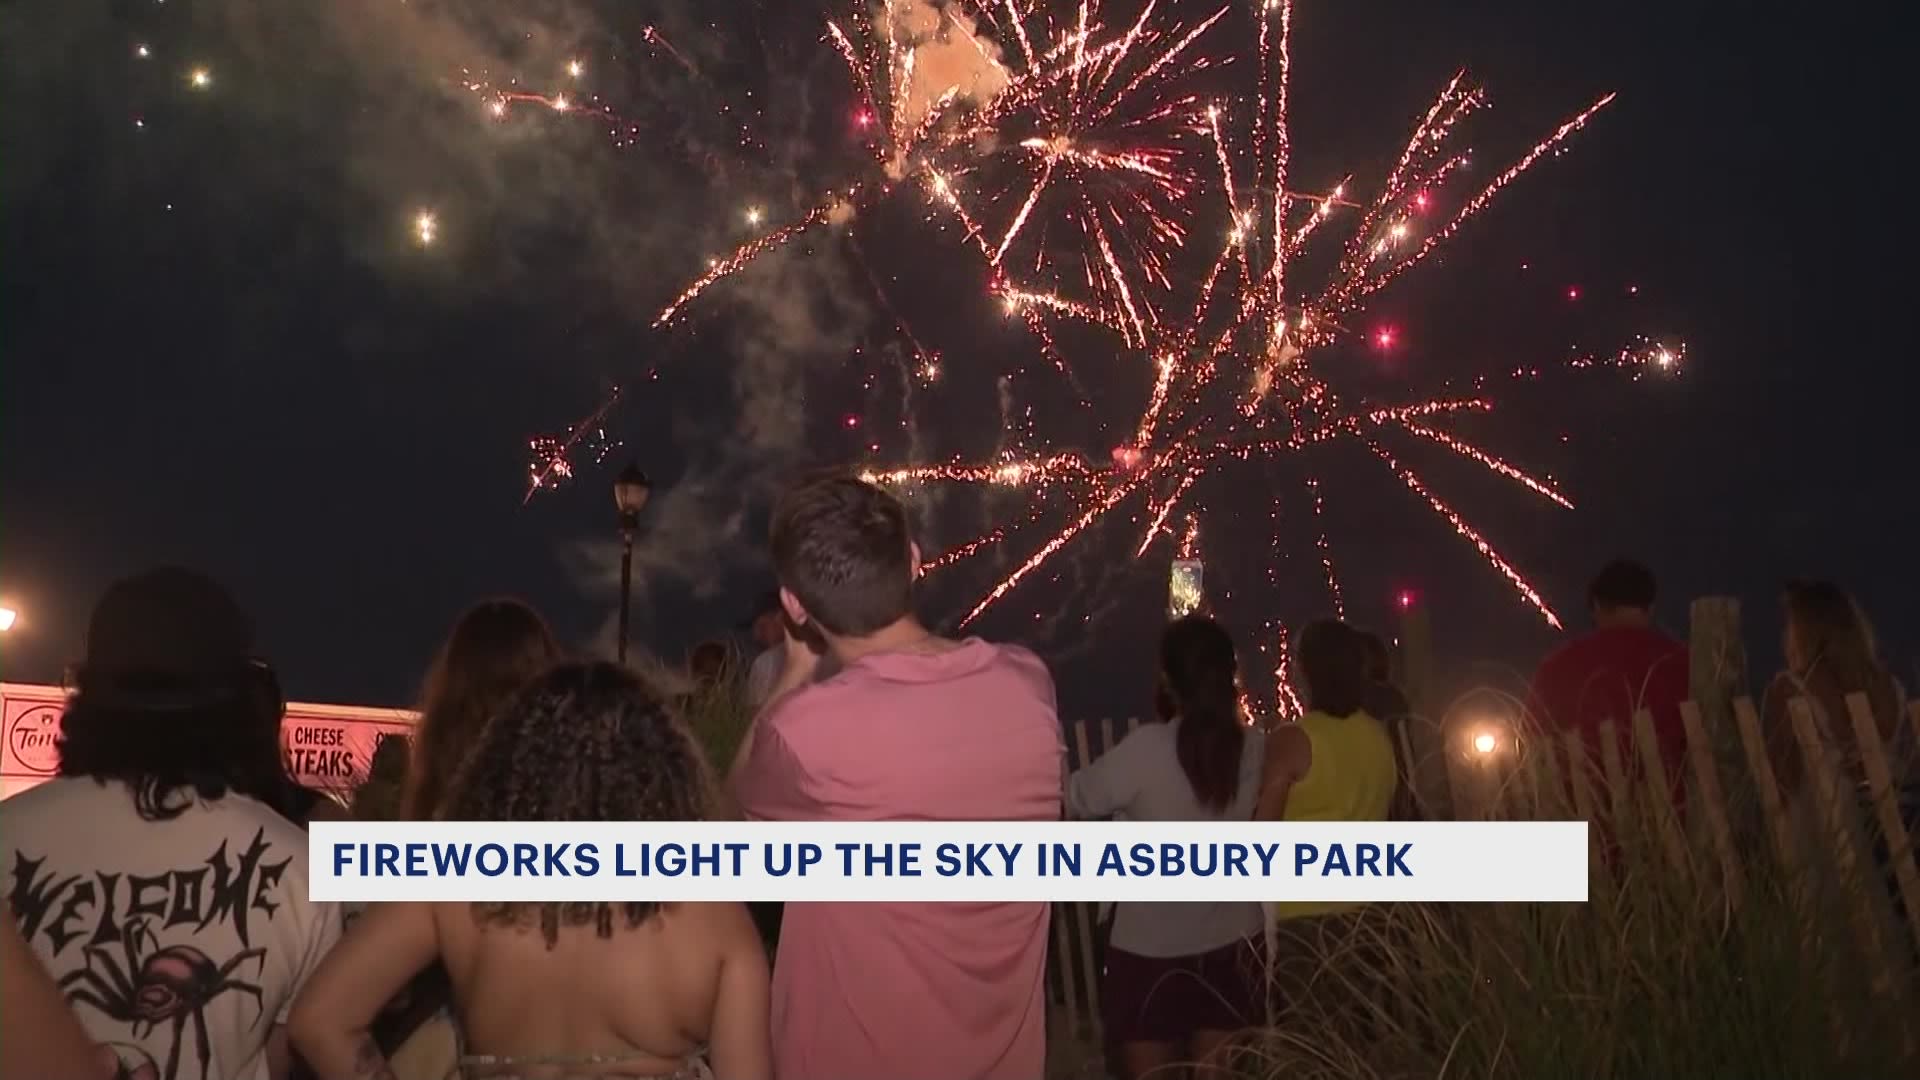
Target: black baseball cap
[{"x": 168, "y": 626}]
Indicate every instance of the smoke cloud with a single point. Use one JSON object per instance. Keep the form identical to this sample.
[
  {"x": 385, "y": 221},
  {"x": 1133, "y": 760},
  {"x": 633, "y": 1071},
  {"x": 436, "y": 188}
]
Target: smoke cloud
[{"x": 944, "y": 56}]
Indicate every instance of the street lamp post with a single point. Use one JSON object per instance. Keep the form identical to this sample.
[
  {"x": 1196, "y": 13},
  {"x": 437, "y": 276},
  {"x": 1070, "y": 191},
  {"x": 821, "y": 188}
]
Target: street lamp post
[{"x": 630, "y": 491}]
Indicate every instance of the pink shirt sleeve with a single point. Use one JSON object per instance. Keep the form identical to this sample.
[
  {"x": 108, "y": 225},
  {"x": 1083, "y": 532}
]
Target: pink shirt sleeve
[{"x": 772, "y": 785}]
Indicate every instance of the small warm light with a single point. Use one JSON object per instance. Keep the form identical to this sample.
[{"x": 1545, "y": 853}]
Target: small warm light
[
  {"x": 754, "y": 215},
  {"x": 576, "y": 69},
  {"x": 1573, "y": 292},
  {"x": 851, "y": 421},
  {"x": 1384, "y": 337},
  {"x": 930, "y": 371},
  {"x": 1421, "y": 200},
  {"x": 1633, "y": 290},
  {"x": 8, "y": 617},
  {"x": 425, "y": 226},
  {"x": 142, "y": 51},
  {"x": 1404, "y": 599},
  {"x": 863, "y": 118},
  {"x": 200, "y": 78},
  {"x": 497, "y": 107},
  {"x": 1485, "y": 743},
  {"x": 1399, "y": 229},
  {"x": 560, "y": 103},
  {"x": 1663, "y": 358}
]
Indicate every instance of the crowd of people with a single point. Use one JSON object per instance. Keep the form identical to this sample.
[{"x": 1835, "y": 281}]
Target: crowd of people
[{"x": 159, "y": 924}]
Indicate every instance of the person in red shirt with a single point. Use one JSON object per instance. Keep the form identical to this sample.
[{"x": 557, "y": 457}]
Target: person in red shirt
[{"x": 1624, "y": 665}]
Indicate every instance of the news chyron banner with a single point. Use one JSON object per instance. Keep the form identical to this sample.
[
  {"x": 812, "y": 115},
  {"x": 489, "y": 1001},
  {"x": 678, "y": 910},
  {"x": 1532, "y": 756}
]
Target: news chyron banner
[
  {"x": 328, "y": 747},
  {"x": 1068, "y": 861}
]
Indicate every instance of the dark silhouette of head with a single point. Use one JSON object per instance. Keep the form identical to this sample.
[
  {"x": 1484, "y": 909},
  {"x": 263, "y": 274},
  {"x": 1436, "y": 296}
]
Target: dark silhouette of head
[
  {"x": 707, "y": 663},
  {"x": 1824, "y": 627},
  {"x": 1379, "y": 660},
  {"x": 171, "y": 701},
  {"x": 584, "y": 742},
  {"x": 1332, "y": 663},
  {"x": 493, "y": 649},
  {"x": 1200, "y": 673},
  {"x": 844, "y": 557},
  {"x": 378, "y": 797},
  {"x": 769, "y": 622},
  {"x": 1622, "y": 594}
]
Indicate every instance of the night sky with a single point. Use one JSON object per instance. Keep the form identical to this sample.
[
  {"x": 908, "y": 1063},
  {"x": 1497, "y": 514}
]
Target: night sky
[{"x": 223, "y": 349}]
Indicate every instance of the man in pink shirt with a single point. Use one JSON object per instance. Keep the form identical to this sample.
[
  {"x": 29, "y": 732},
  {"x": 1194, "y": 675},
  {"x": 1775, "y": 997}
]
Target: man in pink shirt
[{"x": 912, "y": 727}]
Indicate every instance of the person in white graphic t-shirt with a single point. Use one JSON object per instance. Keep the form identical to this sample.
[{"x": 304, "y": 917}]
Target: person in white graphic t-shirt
[{"x": 156, "y": 879}]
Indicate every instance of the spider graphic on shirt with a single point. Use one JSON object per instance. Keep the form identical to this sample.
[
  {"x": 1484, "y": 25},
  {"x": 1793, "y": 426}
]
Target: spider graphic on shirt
[{"x": 148, "y": 985}]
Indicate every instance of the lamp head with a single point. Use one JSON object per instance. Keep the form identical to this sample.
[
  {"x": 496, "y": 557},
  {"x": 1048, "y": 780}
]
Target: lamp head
[{"x": 630, "y": 491}]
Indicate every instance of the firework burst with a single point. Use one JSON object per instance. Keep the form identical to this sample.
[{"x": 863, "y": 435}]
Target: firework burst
[
  {"x": 1064, "y": 153},
  {"x": 1077, "y": 166},
  {"x": 1243, "y": 375}
]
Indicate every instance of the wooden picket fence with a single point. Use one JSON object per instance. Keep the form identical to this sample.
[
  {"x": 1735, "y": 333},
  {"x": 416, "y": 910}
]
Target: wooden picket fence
[{"x": 1731, "y": 792}]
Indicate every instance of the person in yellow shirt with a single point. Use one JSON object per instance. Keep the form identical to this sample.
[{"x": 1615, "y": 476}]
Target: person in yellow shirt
[{"x": 1335, "y": 764}]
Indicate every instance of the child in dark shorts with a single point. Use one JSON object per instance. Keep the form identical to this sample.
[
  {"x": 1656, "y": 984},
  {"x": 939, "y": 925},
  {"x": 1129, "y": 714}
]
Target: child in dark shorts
[
  {"x": 1181, "y": 977},
  {"x": 1185, "y": 999}
]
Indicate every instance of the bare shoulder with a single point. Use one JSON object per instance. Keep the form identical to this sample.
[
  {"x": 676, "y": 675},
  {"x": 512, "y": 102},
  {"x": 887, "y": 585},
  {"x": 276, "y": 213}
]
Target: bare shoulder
[
  {"x": 726, "y": 924},
  {"x": 1288, "y": 745}
]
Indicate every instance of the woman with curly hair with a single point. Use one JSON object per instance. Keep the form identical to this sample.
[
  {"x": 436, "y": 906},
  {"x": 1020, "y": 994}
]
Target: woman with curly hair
[
  {"x": 492, "y": 651},
  {"x": 633, "y": 989}
]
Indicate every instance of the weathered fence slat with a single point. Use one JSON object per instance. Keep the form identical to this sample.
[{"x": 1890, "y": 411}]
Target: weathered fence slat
[
  {"x": 1824, "y": 780},
  {"x": 1713, "y": 805},
  {"x": 1886, "y": 803},
  {"x": 1083, "y": 921},
  {"x": 1063, "y": 969},
  {"x": 1659, "y": 793},
  {"x": 1764, "y": 781}
]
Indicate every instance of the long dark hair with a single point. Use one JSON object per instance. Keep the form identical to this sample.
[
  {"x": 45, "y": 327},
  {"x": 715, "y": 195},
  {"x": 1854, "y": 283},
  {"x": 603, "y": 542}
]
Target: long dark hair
[
  {"x": 492, "y": 651},
  {"x": 1333, "y": 664},
  {"x": 1199, "y": 667},
  {"x": 585, "y": 742},
  {"x": 171, "y": 740},
  {"x": 1840, "y": 656}
]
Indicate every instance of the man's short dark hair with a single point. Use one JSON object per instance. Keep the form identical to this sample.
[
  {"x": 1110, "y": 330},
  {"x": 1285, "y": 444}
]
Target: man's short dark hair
[
  {"x": 841, "y": 546},
  {"x": 1622, "y": 583}
]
